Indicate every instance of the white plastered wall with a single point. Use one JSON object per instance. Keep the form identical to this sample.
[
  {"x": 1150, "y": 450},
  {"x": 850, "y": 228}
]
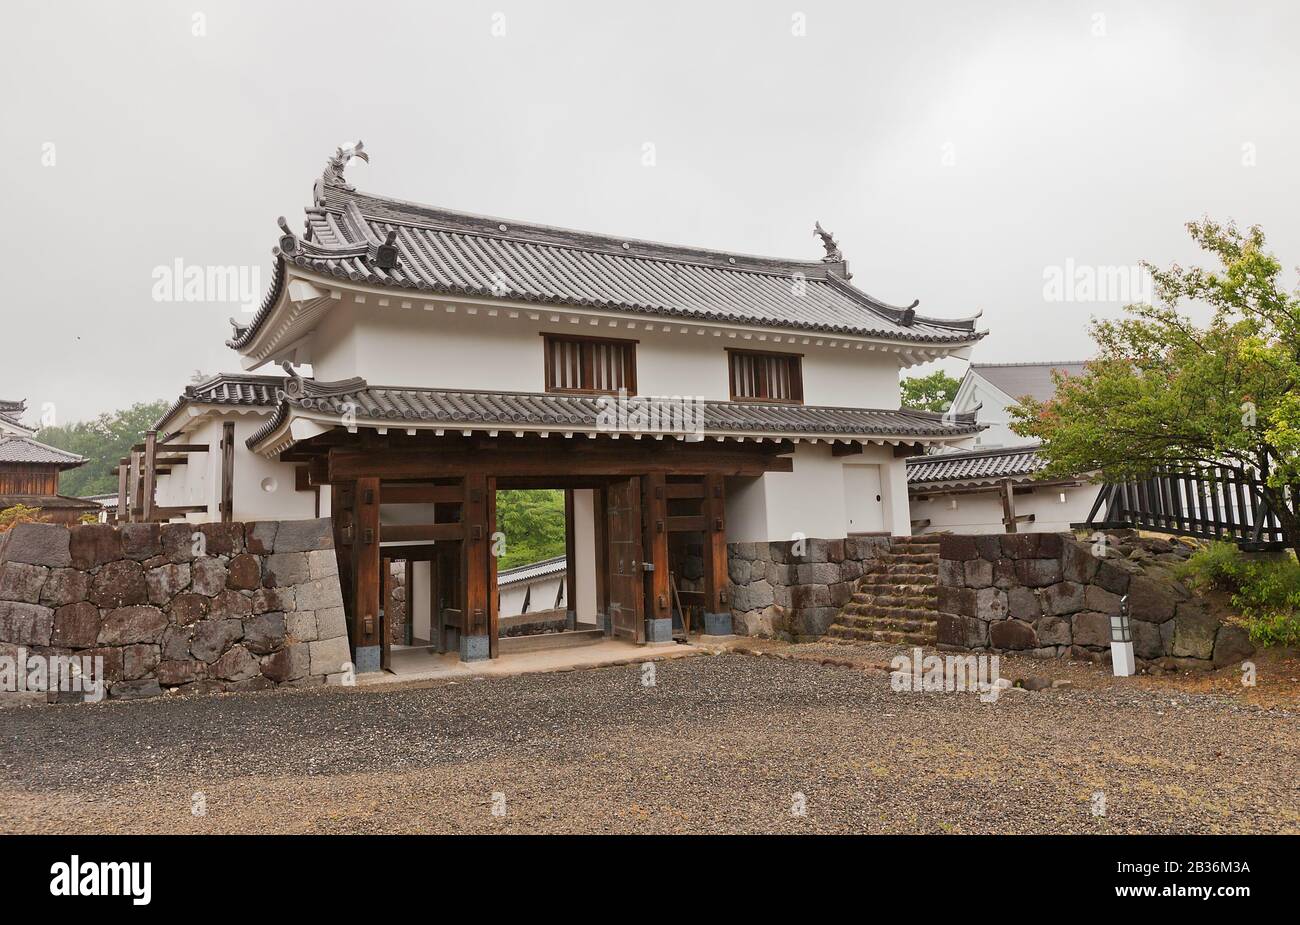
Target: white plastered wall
[
  {"x": 434, "y": 349},
  {"x": 982, "y": 513},
  {"x": 810, "y": 500},
  {"x": 263, "y": 488}
]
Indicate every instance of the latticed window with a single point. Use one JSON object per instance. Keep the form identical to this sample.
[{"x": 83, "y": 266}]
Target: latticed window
[
  {"x": 589, "y": 364},
  {"x": 776, "y": 377}
]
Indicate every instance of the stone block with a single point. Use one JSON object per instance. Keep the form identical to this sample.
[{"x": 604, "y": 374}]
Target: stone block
[
  {"x": 957, "y": 546},
  {"x": 289, "y": 664},
  {"x": 1023, "y": 604},
  {"x": 25, "y": 624},
  {"x": 1063, "y": 598},
  {"x": 213, "y": 637},
  {"x": 230, "y": 604},
  {"x": 331, "y": 622},
  {"x": 814, "y": 621},
  {"x": 1195, "y": 630},
  {"x": 1077, "y": 562},
  {"x": 259, "y": 537},
  {"x": 174, "y": 672},
  {"x": 181, "y": 542},
  {"x": 209, "y": 576},
  {"x": 979, "y": 573},
  {"x": 1231, "y": 645},
  {"x": 65, "y": 586},
  {"x": 1053, "y": 631},
  {"x": 322, "y": 563},
  {"x": 167, "y": 581},
  {"x": 222, "y": 539},
  {"x": 135, "y": 690},
  {"x": 738, "y": 570},
  {"x": 138, "y": 623},
  {"x": 988, "y": 547},
  {"x": 1095, "y": 597},
  {"x": 22, "y": 582},
  {"x": 1092, "y": 629},
  {"x": 1004, "y": 574},
  {"x": 990, "y": 604},
  {"x": 1012, "y": 634},
  {"x": 119, "y": 584},
  {"x": 282, "y": 599},
  {"x": 754, "y": 596},
  {"x": 304, "y": 536},
  {"x": 238, "y": 664},
  {"x": 328, "y": 656},
  {"x": 141, "y": 541},
  {"x": 38, "y": 544},
  {"x": 956, "y": 600},
  {"x": 962, "y": 631},
  {"x": 175, "y": 643},
  {"x": 139, "y": 660},
  {"x": 265, "y": 633},
  {"x": 244, "y": 573},
  {"x": 818, "y": 573},
  {"x": 1147, "y": 641},
  {"x": 319, "y": 594},
  {"x": 1112, "y": 576},
  {"x": 93, "y": 545},
  {"x": 1038, "y": 573},
  {"x": 188, "y": 608},
  {"x": 76, "y": 626},
  {"x": 285, "y": 569},
  {"x": 1150, "y": 600}
]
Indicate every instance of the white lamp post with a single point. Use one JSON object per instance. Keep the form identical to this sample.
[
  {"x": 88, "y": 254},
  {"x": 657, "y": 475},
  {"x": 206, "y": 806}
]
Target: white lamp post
[{"x": 1121, "y": 641}]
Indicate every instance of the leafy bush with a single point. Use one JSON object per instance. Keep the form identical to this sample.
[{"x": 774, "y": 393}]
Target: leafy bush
[
  {"x": 11, "y": 517},
  {"x": 1266, "y": 591}
]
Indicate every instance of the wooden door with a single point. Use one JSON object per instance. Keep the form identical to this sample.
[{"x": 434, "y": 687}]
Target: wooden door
[{"x": 623, "y": 540}]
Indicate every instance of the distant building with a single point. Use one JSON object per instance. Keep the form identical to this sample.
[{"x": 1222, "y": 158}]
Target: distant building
[
  {"x": 29, "y": 470},
  {"x": 979, "y": 490}
]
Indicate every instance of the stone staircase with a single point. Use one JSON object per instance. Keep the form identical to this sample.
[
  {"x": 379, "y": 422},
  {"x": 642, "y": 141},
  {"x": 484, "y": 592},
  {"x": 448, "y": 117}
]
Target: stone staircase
[{"x": 895, "y": 602}]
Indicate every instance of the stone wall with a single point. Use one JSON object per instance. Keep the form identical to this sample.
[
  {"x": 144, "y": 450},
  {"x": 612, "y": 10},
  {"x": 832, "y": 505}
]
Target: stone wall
[
  {"x": 395, "y": 606},
  {"x": 1052, "y": 595},
  {"x": 775, "y": 592},
  {"x": 189, "y": 608}
]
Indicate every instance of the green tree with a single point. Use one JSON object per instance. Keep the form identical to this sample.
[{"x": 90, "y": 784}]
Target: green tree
[
  {"x": 533, "y": 523},
  {"x": 934, "y": 392},
  {"x": 1166, "y": 390},
  {"x": 103, "y": 441}
]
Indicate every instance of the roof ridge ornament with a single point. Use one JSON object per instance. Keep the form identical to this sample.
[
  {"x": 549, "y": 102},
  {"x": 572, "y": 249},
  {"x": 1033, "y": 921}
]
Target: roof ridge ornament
[
  {"x": 833, "y": 252},
  {"x": 334, "y": 167}
]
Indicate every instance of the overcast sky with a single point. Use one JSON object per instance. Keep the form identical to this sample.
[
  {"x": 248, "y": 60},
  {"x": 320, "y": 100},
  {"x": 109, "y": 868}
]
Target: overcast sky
[{"x": 957, "y": 150}]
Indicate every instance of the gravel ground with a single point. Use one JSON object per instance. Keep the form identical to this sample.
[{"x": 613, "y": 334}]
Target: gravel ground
[{"x": 721, "y": 743}]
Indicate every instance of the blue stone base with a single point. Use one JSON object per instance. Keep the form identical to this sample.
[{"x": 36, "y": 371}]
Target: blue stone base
[
  {"x": 474, "y": 648},
  {"x": 366, "y": 659},
  {"x": 607, "y": 624},
  {"x": 570, "y": 619},
  {"x": 717, "y": 624},
  {"x": 659, "y": 630}
]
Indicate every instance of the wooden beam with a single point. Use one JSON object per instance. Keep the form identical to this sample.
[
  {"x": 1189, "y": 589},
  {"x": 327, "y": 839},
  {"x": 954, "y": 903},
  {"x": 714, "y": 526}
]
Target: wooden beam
[
  {"x": 570, "y": 555},
  {"x": 227, "y": 472},
  {"x": 684, "y": 490},
  {"x": 475, "y": 554},
  {"x": 123, "y": 473},
  {"x": 422, "y": 533},
  {"x": 399, "y": 493},
  {"x": 150, "y": 475},
  {"x": 602, "y": 555},
  {"x": 1008, "y": 506},
  {"x": 365, "y": 563},
  {"x": 717, "y": 591},
  {"x": 348, "y": 464},
  {"x": 174, "y": 447},
  {"x": 687, "y": 523},
  {"x": 654, "y": 518}
]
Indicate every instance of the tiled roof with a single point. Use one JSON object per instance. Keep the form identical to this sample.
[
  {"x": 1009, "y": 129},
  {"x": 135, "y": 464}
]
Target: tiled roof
[
  {"x": 49, "y": 502},
  {"x": 534, "y": 411},
  {"x": 387, "y": 242},
  {"x": 1020, "y": 379},
  {"x": 16, "y": 449},
  {"x": 532, "y": 571},
  {"x": 973, "y": 467},
  {"x": 229, "y": 389},
  {"x": 11, "y": 413}
]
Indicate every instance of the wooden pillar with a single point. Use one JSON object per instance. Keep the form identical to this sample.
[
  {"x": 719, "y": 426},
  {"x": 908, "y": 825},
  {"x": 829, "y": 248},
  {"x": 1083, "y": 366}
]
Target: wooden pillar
[
  {"x": 147, "y": 502},
  {"x": 716, "y": 588},
  {"x": 1008, "y": 506},
  {"x": 365, "y": 574},
  {"x": 228, "y": 472},
  {"x": 123, "y": 511},
  {"x": 602, "y": 556},
  {"x": 494, "y": 596},
  {"x": 476, "y": 551},
  {"x": 654, "y": 516},
  {"x": 570, "y": 561},
  {"x": 133, "y": 495}
]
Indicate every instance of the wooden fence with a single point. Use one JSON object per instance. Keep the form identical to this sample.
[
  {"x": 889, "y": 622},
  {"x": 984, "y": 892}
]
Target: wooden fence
[{"x": 1210, "y": 502}]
